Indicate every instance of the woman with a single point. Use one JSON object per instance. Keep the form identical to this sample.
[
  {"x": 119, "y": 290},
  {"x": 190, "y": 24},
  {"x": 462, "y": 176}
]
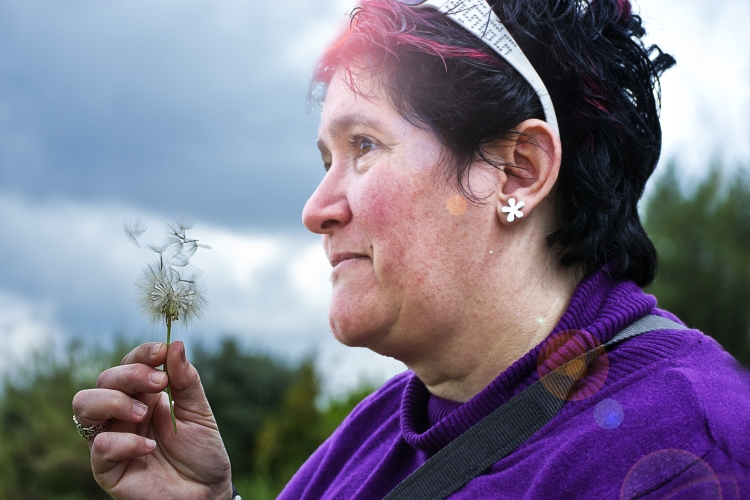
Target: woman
[{"x": 488, "y": 237}]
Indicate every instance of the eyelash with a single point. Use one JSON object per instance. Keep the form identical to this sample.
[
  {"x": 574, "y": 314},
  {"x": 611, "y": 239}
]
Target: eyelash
[{"x": 356, "y": 141}]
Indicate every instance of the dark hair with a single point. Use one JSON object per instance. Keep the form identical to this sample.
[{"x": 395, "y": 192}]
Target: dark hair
[{"x": 603, "y": 82}]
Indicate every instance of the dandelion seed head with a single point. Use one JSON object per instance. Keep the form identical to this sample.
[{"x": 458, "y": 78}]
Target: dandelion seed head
[
  {"x": 163, "y": 293},
  {"x": 167, "y": 289}
]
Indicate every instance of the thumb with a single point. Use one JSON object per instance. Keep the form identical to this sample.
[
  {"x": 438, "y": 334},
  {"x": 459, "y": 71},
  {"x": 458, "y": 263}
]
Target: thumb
[{"x": 186, "y": 386}]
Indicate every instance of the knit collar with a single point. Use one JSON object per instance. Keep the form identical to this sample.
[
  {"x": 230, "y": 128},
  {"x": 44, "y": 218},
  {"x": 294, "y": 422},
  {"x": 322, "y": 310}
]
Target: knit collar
[{"x": 600, "y": 306}]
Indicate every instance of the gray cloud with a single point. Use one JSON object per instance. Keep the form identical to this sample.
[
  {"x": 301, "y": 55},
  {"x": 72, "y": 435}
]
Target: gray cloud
[
  {"x": 170, "y": 105},
  {"x": 200, "y": 106}
]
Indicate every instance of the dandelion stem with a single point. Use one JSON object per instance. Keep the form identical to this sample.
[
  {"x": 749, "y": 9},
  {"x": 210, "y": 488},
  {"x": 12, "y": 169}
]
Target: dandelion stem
[
  {"x": 166, "y": 370},
  {"x": 167, "y": 291}
]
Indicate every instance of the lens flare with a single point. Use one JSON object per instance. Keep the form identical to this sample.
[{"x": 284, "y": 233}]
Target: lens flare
[
  {"x": 674, "y": 474},
  {"x": 456, "y": 205},
  {"x": 608, "y": 414},
  {"x": 569, "y": 347}
]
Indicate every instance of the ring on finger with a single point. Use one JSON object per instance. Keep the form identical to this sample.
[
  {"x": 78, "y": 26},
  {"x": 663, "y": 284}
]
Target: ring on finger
[{"x": 91, "y": 431}]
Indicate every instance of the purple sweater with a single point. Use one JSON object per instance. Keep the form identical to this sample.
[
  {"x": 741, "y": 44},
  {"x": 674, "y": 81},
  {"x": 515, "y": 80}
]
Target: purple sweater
[{"x": 668, "y": 415}]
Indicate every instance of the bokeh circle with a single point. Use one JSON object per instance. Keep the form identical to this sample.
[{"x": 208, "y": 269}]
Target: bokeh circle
[
  {"x": 608, "y": 414},
  {"x": 674, "y": 474},
  {"x": 456, "y": 205},
  {"x": 569, "y": 347}
]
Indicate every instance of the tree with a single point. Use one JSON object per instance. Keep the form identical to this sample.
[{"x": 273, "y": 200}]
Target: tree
[
  {"x": 288, "y": 438},
  {"x": 703, "y": 241},
  {"x": 41, "y": 455},
  {"x": 300, "y": 426},
  {"x": 268, "y": 413},
  {"x": 244, "y": 389}
]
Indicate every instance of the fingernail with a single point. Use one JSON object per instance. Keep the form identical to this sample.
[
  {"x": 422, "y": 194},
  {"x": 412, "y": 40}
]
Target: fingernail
[
  {"x": 183, "y": 356},
  {"x": 139, "y": 408},
  {"x": 157, "y": 377},
  {"x": 150, "y": 444},
  {"x": 155, "y": 349}
]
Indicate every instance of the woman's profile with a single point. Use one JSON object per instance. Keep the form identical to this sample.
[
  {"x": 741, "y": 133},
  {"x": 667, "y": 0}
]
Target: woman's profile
[{"x": 484, "y": 162}]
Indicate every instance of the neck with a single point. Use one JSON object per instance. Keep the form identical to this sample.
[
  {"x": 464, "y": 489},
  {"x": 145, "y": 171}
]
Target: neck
[{"x": 521, "y": 303}]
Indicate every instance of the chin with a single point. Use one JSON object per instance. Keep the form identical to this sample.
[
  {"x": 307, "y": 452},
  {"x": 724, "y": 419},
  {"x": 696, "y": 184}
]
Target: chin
[
  {"x": 360, "y": 314},
  {"x": 353, "y": 333},
  {"x": 357, "y": 323}
]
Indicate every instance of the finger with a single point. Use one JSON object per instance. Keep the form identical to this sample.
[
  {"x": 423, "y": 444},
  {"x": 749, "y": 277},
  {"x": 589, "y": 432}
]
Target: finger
[
  {"x": 150, "y": 353},
  {"x": 132, "y": 379},
  {"x": 187, "y": 390},
  {"x": 110, "y": 449},
  {"x": 95, "y": 406}
]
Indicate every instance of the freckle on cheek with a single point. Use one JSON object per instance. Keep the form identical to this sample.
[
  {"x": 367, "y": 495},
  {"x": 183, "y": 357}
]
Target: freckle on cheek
[{"x": 456, "y": 205}]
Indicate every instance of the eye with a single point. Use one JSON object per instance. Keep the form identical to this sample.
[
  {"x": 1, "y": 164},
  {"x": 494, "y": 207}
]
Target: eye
[
  {"x": 362, "y": 145},
  {"x": 365, "y": 147},
  {"x": 327, "y": 161}
]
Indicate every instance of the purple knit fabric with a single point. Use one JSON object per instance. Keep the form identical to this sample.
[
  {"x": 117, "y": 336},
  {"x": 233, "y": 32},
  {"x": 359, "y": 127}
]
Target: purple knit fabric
[{"x": 669, "y": 417}]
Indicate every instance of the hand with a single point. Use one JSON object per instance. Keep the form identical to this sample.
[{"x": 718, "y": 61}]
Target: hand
[{"x": 139, "y": 456}]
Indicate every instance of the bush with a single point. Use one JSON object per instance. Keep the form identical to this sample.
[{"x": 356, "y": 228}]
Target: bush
[
  {"x": 41, "y": 455},
  {"x": 266, "y": 411},
  {"x": 703, "y": 241},
  {"x": 268, "y": 415}
]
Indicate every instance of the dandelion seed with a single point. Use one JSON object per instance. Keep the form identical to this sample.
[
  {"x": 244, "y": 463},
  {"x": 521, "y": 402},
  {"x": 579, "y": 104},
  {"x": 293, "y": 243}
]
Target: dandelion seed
[
  {"x": 160, "y": 249},
  {"x": 168, "y": 289},
  {"x": 134, "y": 229}
]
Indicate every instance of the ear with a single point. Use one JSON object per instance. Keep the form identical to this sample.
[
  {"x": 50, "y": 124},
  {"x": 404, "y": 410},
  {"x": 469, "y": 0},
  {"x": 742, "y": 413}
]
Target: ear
[{"x": 534, "y": 156}]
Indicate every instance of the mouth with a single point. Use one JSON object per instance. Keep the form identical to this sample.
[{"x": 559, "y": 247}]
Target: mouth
[{"x": 337, "y": 260}]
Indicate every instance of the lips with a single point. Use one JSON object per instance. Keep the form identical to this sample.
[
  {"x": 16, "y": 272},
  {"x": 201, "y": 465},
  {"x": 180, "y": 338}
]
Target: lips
[{"x": 339, "y": 258}]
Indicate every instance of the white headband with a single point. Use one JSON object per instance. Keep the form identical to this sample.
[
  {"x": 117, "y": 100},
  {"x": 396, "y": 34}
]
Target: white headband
[{"x": 477, "y": 17}]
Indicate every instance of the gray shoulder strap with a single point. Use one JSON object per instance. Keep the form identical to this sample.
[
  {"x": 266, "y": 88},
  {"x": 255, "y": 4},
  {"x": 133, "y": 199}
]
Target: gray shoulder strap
[
  {"x": 506, "y": 428},
  {"x": 646, "y": 324}
]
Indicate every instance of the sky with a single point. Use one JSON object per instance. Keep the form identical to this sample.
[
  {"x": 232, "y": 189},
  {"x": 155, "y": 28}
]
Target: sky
[{"x": 116, "y": 110}]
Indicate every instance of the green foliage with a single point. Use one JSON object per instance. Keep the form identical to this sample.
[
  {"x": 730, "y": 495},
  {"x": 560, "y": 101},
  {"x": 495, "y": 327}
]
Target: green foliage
[
  {"x": 266, "y": 410},
  {"x": 244, "y": 389},
  {"x": 268, "y": 415},
  {"x": 288, "y": 438},
  {"x": 703, "y": 241},
  {"x": 41, "y": 455},
  {"x": 293, "y": 434}
]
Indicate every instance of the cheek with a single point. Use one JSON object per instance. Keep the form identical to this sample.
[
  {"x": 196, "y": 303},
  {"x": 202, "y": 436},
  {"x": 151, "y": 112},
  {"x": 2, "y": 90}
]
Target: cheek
[
  {"x": 390, "y": 216},
  {"x": 403, "y": 222},
  {"x": 368, "y": 300},
  {"x": 385, "y": 203}
]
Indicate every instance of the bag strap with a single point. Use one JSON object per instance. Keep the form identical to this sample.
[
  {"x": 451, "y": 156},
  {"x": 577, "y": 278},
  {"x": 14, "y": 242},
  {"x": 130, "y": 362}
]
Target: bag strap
[{"x": 507, "y": 427}]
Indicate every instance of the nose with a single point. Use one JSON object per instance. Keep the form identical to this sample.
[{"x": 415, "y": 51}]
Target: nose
[{"x": 328, "y": 207}]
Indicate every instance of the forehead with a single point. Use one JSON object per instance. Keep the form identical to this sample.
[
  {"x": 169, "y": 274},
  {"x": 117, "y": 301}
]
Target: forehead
[{"x": 345, "y": 108}]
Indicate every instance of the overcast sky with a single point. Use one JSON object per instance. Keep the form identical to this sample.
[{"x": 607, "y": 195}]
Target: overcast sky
[{"x": 140, "y": 108}]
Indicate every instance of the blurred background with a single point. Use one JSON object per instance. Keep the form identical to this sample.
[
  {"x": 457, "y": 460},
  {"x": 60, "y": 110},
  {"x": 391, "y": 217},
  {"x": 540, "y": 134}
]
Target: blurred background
[{"x": 118, "y": 110}]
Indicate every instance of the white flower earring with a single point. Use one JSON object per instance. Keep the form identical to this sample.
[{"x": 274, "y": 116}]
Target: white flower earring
[{"x": 514, "y": 209}]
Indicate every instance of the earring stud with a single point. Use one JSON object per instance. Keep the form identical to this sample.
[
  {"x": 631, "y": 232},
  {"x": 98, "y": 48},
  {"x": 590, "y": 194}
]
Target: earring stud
[{"x": 514, "y": 209}]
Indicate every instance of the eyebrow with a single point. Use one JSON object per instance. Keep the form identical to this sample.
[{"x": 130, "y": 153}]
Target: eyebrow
[{"x": 341, "y": 124}]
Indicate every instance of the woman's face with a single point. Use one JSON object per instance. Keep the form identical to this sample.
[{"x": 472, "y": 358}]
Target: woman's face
[{"x": 406, "y": 251}]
